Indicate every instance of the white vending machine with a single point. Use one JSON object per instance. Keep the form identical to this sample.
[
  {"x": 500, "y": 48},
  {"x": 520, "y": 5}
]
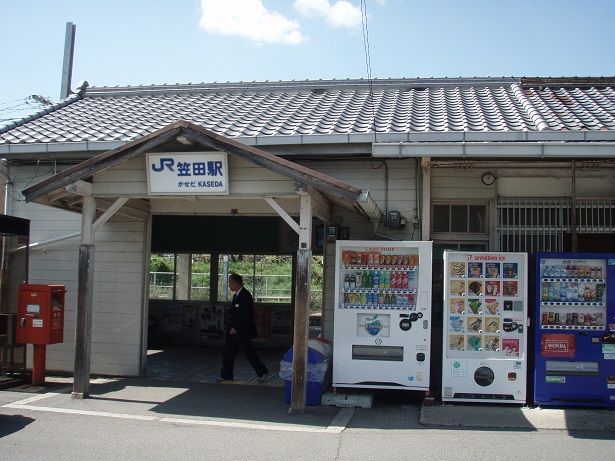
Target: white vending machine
[
  {"x": 485, "y": 327},
  {"x": 382, "y": 329}
]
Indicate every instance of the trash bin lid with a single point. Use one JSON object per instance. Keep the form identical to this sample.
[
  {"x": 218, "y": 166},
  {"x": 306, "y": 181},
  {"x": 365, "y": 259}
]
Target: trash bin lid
[{"x": 313, "y": 356}]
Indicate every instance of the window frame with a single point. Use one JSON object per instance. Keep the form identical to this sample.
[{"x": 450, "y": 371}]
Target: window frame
[{"x": 459, "y": 235}]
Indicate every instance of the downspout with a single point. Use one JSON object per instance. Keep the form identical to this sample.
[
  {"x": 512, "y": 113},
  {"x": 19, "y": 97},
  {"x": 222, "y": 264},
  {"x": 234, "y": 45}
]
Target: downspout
[{"x": 417, "y": 184}]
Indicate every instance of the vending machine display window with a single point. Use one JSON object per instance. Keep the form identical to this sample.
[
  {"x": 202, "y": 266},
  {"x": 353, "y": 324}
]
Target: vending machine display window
[{"x": 572, "y": 296}]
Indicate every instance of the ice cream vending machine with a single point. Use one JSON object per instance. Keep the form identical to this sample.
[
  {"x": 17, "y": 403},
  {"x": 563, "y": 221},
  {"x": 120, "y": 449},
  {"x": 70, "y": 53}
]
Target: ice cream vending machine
[
  {"x": 485, "y": 327},
  {"x": 575, "y": 329},
  {"x": 382, "y": 315}
]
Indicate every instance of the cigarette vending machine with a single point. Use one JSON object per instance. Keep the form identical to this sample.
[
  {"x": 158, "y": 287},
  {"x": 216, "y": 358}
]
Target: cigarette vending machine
[
  {"x": 382, "y": 315},
  {"x": 575, "y": 329},
  {"x": 485, "y": 327}
]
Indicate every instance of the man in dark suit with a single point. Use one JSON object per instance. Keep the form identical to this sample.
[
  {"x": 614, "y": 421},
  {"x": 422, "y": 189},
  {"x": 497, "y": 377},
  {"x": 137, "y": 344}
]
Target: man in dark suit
[{"x": 241, "y": 331}]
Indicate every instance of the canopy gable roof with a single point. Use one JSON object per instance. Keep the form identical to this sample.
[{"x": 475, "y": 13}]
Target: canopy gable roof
[{"x": 187, "y": 132}]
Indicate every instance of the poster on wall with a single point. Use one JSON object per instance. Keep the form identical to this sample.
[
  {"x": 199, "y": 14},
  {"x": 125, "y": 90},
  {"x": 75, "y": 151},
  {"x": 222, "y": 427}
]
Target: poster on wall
[
  {"x": 212, "y": 322},
  {"x": 262, "y": 317}
]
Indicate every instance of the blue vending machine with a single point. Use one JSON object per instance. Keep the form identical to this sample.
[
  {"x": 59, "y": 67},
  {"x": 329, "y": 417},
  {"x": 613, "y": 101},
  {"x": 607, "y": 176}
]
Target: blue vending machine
[{"x": 575, "y": 329}]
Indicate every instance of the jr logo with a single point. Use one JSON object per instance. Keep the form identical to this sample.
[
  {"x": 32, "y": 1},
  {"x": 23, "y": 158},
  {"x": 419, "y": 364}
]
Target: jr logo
[{"x": 164, "y": 162}]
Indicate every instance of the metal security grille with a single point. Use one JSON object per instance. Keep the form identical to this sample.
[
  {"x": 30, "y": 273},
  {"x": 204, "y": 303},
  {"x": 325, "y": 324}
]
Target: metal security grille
[
  {"x": 595, "y": 216},
  {"x": 539, "y": 224}
]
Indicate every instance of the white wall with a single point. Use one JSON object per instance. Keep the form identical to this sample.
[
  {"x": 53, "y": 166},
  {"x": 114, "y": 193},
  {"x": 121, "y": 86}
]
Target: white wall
[
  {"x": 401, "y": 197},
  {"x": 118, "y": 279},
  {"x": 466, "y": 184},
  {"x": 555, "y": 182}
]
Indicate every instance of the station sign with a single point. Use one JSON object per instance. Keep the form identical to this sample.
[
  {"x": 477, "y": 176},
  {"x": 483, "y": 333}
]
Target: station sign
[{"x": 187, "y": 173}]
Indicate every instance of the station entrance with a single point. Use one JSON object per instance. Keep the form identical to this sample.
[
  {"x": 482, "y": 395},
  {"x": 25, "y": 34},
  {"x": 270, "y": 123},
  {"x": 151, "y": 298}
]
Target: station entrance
[{"x": 190, "y": 261}]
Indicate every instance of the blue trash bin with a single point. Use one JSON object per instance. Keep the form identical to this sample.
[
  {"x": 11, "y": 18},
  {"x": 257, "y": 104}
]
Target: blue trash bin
[{"x": 316, "y": 374}]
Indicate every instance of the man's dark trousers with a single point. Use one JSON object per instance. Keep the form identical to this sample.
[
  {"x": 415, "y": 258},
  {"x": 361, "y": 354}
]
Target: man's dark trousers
[{"x": 232, "y": 345}]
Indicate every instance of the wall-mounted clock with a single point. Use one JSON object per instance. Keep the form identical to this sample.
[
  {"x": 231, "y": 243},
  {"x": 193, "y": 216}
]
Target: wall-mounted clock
[{"x": 488, "y": 179}]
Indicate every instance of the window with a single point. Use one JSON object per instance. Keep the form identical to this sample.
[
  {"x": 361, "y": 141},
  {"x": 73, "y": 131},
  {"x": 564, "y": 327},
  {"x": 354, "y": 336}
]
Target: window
[
  {"x": 162, "y": 276},
  {"x": 185, "y": 276},
  {"x": 179, "y": 276},
  {"x": 268, "y": 277},
  {"x": 457, "y": 218},
  {"x": 200, "y": 276}
]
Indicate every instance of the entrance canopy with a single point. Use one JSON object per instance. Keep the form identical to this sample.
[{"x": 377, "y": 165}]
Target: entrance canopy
[
  {"x": 148, "y": 175},
  {"x": 66, "y": 189}
]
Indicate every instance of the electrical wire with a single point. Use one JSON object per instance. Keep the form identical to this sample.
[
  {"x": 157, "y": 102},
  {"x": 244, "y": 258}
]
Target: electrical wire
[{"x": 368, "y": 60}]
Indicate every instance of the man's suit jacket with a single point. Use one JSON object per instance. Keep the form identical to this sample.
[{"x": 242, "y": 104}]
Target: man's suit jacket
[{"x": 242, "y": 315}]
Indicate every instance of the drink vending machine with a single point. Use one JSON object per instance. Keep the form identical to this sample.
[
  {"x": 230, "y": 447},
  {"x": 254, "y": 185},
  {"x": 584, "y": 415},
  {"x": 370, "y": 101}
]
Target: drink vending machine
[
  {"x": 575, "y": 329},
  {"x": 382, "y": 315},
  {"x": 485, "y": 327}
]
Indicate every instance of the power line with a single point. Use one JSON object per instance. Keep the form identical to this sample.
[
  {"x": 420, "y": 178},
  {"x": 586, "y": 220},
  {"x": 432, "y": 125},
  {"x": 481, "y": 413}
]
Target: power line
[{"x": 368, "y": 59}]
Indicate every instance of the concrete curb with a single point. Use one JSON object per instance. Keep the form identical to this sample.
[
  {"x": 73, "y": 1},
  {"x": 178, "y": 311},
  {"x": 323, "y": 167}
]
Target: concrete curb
[{"x": 519, "y": 418}]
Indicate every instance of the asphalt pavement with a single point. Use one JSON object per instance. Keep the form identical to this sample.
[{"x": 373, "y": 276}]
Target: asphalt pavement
[{"x": 152, "y": 419}]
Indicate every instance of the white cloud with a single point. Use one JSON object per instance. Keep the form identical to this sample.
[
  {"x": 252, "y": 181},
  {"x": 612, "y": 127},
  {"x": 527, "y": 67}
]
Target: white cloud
[
  {"x": 249, "y": 19},
  {"x": 339, "y": 13}
]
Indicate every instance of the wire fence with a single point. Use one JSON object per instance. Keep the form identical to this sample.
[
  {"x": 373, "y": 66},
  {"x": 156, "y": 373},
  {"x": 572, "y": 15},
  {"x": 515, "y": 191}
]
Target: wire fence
[{"x": 266, "y": 288}]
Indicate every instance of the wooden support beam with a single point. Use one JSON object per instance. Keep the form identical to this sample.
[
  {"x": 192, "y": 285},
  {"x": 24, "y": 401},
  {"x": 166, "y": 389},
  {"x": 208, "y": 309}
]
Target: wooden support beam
[
  {"x": 85, "y": 291},
  {"x": 426, "y": 198},
  {"x": 283, "y": 214},
  {"x": 321, "y": 205},
  {"x": 58, "y": 195},
  {"x": 303, "y": 277},
  {"x": 115, "y": 206},
  {"x": 80, "y": 187},
  {"x": 130, "y": 210},
  {"x": 305, "y": 221}
]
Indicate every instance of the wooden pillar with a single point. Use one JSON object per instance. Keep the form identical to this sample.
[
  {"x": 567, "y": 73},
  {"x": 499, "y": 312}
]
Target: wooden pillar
[
  {"x": 303, "y": 277},
  {"x": 85, "y": 292},
  {"x": 426, "y": 199},
  {"x": 573, "y": 210}
]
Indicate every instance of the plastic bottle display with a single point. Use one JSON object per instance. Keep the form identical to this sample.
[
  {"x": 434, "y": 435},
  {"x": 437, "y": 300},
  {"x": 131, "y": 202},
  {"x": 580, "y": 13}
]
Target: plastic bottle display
[
  {"x": 572, "y": 296},
  {"x": 374, "y": 279}
]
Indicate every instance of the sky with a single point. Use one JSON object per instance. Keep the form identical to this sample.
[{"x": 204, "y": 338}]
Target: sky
[{"x": 133, "y": 42}]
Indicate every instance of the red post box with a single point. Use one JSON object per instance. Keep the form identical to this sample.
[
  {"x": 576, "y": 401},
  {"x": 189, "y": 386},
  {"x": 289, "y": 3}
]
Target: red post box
[{"x": 40, "y": 321}]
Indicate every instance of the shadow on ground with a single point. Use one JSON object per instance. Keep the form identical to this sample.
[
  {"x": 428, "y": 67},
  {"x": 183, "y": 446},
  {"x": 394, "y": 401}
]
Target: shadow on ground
[{"x": 10, "y": 424}]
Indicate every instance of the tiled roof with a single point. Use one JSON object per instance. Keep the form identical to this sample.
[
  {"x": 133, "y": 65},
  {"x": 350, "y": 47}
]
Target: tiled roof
[{"x": 325, "y": 107}]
